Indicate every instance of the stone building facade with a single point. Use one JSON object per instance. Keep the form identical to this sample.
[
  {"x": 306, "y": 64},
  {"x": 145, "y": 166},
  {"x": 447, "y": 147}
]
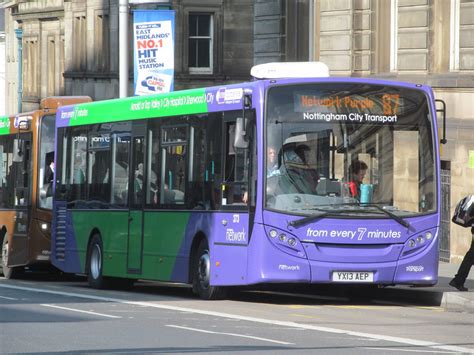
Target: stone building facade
[
  {"x": 2, "y": 62},
  {"x": 71, "y": 47},
  {"x": 420, "y": 41}
]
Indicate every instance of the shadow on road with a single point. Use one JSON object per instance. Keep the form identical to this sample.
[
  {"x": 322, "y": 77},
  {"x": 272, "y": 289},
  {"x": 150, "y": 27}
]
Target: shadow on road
[{"x": 284, "y": 294}]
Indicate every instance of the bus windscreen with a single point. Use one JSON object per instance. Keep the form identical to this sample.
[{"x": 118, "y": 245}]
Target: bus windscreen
[{"x": 345, "y": 145}]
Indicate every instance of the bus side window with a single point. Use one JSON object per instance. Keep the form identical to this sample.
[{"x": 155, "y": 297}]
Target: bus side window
[
  {"x": 6, "y": 175},
  {"x": 234, "y": 186},
  {"x": 195, "y": 198},
  {"x": 172, "y": 184},
  {"x": 99, "y": 163},
  {"x": 213, "y": 170},
  {"x": 174, "y": 151},
  {"x": 76, "y": 165},
  {"x": 46, "y": 162},
  {"x": 120, "y": 172}
]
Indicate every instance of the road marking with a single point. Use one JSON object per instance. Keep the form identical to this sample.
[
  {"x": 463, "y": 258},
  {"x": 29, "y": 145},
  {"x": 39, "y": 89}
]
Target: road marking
[
  {"x": 290, "y": 324},
  {"x": 9, "y": 298},
  {"x": 411, "y": 350},
  {"x": 230, "y": 334},
  {"x": 80, "y": 311}
]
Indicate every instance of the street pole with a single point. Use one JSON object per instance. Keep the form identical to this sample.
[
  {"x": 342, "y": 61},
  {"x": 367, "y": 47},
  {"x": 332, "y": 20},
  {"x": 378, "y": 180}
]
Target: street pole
[
  {"x": 123, "y": 48},
  {"x": 311, "y": 30},
  {"x": 19, "y": 37}
]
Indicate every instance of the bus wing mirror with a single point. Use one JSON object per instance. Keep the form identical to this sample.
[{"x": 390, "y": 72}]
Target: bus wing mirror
[
  {"x": 18, "y": 150},
  {"x": 240, "y": 139},
  {"x": 442, "y": 111}
]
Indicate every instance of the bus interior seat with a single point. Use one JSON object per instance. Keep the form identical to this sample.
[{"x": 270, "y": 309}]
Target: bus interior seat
[{"x": 328, "y": 187}]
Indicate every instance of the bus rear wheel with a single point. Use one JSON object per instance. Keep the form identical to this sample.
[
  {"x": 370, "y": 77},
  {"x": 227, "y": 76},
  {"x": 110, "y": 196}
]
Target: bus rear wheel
[
  {"x": 94, "y": 263},
  {"x": 202, "y": 275},
  {"x": 8, "y": 271}
]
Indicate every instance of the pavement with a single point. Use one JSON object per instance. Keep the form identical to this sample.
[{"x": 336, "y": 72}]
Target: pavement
[{"x": 441, "y": 294}]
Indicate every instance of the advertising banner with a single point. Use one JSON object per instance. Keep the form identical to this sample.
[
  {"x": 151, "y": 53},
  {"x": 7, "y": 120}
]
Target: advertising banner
[{"x": 153, "y": 47}]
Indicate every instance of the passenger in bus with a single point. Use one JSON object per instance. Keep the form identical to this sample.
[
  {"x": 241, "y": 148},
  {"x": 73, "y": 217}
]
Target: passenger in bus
[
  {"x": 48, "y": 179},
  {"x": 357, "y": 170},
  {"x": 168, "y": 195},
  {"x": 272, "y": 162},
  {"x": 138, "y": 183},
  {"x": 79, "y": 176},
  {"x": 49, "y": 173}
]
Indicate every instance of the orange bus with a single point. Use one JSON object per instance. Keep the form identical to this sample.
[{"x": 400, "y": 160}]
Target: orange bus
[{"x": 26, "y": 182}]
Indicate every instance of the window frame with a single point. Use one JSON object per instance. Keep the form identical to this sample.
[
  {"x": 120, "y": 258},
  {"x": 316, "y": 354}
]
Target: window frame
[
  {"x": 41, "y": 163},
  {"x": 211, "y": 38}
]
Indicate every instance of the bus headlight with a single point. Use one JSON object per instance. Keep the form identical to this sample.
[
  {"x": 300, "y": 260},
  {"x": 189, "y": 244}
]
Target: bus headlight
[
  {"x": 286, "y": 242},
  {"x": 292, "y": 242},
  {"x": 417, "y": 243}
]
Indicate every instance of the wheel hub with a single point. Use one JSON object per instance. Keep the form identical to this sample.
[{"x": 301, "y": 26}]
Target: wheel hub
[
  {"x": 204, "y": 270},
  {"x": 5, "y": 254},
  {"x": 96, "y": 262}
]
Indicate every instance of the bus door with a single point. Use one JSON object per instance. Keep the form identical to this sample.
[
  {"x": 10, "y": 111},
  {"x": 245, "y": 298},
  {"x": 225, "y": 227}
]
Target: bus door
[
  {"x": 20, "y": 179},
  {"x": 136, "y": 198}
]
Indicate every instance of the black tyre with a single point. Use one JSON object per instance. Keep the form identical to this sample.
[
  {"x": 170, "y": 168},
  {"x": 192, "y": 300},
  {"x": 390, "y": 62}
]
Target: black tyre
[
  {"x": 7, "y": 271},
  {"x": 202, "y": 275},
  {"x": 95, "y": 262}
]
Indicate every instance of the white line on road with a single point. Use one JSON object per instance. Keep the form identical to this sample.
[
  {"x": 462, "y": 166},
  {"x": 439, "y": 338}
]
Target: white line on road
[
  {"x": 413, "y": 351},
  {"x": 413, "y": 342},
  {"x": 9, "y": 298},
  {"x": 230, "y": 334},
  {"x": 80, "y": 311}
]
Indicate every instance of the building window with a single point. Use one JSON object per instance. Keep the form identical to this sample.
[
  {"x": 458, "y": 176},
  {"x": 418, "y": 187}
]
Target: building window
[
  {"x": 101, "y": 49},
  {"x": 61, "y": 66},
  {"x": 394, "y": 35},
  {"x": 51, "y": 67},
  {"x": 30, "y": 64},
  {"x": 200, "y": 53},
  {"x": 461, "y": 35},
  {"x": 80, "y": 44}
]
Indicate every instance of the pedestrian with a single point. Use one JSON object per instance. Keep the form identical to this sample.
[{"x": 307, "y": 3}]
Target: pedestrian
[{"x": 464, "y": 216}]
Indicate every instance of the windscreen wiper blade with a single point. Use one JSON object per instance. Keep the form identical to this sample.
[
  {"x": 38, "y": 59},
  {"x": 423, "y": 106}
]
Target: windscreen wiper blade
[
  {"x": 390, "y": 214},
  {"x": 315, "y": 216},
  {"x": 327, "y": 213}
]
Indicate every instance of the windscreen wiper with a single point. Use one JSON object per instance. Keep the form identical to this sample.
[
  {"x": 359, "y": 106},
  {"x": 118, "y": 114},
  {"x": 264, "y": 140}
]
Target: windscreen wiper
[
  {"x": 315, "y": 216},
  {"x": 328, "y": 213},
  {"x": 390, "y": 214}
]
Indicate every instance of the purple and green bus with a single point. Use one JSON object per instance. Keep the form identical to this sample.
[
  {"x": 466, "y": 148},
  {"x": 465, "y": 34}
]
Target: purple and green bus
[{"x": 294, "y": 177}]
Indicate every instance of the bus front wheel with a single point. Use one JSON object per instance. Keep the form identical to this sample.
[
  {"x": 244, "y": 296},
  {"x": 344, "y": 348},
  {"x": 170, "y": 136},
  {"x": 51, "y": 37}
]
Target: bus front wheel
[
  {"x": 8, "y": 271},
  {"x": 202, "y": 275},
  {"x": 94, "y": 263}
]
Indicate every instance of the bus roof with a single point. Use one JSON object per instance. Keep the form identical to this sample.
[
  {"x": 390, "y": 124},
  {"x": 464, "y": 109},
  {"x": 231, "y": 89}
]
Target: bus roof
[
  {"x": 191, "y": 101},
  {"x": 53, "y": 102},
  {"x": 280, "y": 70}
]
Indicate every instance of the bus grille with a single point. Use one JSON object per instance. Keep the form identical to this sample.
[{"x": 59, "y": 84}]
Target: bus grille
[{"x": 60, "y": 246}]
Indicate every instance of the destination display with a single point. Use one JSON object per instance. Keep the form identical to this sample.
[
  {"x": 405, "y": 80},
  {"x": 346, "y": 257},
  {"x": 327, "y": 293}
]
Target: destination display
[{"x": 358, "y": 104}]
